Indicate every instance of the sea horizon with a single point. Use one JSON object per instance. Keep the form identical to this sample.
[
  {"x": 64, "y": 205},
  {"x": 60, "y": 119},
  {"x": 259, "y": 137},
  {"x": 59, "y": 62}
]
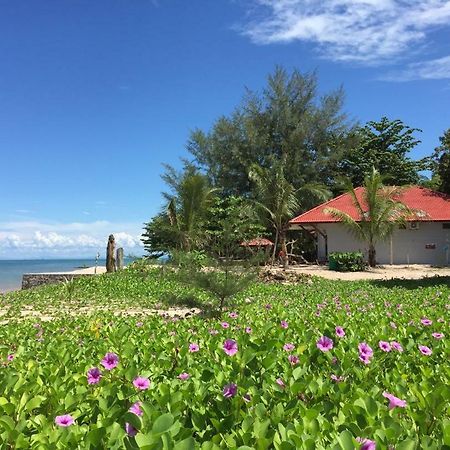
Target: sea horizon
[{"x": 12, "y": 270}]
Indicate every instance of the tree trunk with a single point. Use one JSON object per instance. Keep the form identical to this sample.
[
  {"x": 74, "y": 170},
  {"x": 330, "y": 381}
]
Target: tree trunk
[
  {"x": 372, "y": 255},
  {"x": 284, "y": 256},
  {"x": 275, "y": 245},
  {"x": 110, "y": 260}
]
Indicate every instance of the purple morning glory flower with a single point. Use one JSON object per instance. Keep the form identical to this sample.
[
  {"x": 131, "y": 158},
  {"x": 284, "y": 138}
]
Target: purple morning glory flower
[
  {"x": 94, "y": 375},
  {"x": 110, "y": 361},
  {"x": 385, "y": 346},
  {"x": 65, "y": 420},
  {"x": 141, "y": 383},
  {"x": 135, "y": 408},
  {"x": 230, "y": 390},
  {"x": 394, "y": 401},
  {"x": 340, "y": 332},
  {"x": 425, "y": 350},
  {"x": 230, "y": 347},
  {"x": 131, "y": 431},
  {"x": 325, "y": 344},
  {"x": 193, "y": 348}
]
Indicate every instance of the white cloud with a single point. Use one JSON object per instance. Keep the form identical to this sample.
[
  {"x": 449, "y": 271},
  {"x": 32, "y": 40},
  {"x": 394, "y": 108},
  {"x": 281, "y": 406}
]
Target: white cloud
[
  {"x": 366, "y": 31},
  {"x": 434, "y": 69},
  {"x": 32, "y": 239}
]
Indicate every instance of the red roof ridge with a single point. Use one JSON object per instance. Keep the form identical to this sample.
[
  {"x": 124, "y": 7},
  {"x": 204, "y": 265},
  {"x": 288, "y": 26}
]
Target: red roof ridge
[
  {"x": 322, "y": 205},
  {"x": 435, "y": 204}
]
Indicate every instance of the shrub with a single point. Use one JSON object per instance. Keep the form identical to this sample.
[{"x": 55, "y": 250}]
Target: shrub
[{"x": 346, "y": 261}]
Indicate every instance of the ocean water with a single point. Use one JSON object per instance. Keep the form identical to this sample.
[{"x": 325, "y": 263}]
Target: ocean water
[{"x": 11, "y": 271}]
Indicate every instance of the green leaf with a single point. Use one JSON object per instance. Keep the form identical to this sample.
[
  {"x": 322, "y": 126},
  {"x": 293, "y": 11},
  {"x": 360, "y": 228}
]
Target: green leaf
[
  {"x": 162, "y": 424},
  {"x": 95, "y": 436},
  {"x": 34, "y": 403},
  {"x": 145, "y": 441},
  {"x": 8, "y": 423},
  {"x": 185, "y": 444},
  {"x": 407, "y": 444},
  {"x": 345, "y": 440},
  {"x": 446, "y": 429}
]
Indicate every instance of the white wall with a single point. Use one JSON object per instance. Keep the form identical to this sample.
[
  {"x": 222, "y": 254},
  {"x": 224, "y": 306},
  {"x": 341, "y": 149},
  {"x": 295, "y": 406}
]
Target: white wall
[{"x": 408, "y": 245}]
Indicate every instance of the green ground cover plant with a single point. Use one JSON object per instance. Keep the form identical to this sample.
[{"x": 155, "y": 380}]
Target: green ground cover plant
[
  {"x": 347, "y": 261},
  {"x": 318, "y": 365}
]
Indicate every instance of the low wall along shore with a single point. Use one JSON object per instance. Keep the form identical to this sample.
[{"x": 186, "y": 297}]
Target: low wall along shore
[{"x": 31, "y": 280}]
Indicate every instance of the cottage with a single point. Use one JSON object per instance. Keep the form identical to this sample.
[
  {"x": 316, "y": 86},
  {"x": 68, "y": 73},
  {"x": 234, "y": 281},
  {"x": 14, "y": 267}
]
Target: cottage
[{"x": 424, "y": 240}]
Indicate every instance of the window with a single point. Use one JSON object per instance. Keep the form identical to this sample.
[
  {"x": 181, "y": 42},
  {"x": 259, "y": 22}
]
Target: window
[{"x": 446, "y": 226}]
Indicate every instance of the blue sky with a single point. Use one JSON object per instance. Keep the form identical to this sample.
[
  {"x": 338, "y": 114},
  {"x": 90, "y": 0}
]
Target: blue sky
[{"x": 96, "y": 95}]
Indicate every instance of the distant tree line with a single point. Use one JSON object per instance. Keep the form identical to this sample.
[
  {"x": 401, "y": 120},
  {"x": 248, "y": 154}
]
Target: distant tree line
[{"x": 280, "y": 152}]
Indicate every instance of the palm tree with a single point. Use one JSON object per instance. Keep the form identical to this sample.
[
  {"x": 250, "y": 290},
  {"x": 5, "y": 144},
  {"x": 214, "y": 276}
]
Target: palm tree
[
  {"x": 279, "y": 200},
  {"x": 379, "y": 212},
  {"x": 187, "y": 205}
]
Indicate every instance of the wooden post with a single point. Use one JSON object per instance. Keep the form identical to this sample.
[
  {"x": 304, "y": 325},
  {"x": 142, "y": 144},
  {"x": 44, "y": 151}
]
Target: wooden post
[
  {"x": 392, "y": 251},
  {"x": 119, "y": 258},
  {"x": 110, "y": 260}
]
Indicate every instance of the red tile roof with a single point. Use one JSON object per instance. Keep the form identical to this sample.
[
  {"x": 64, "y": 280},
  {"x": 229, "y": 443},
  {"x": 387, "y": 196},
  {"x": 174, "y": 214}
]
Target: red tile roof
[
  {"x": 257, "y": 242},
  {"x": 436, "y": 205}
]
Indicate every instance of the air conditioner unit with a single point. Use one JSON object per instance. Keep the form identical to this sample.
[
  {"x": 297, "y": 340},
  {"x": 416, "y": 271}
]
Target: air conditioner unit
[{"x": 414, "y": 225}]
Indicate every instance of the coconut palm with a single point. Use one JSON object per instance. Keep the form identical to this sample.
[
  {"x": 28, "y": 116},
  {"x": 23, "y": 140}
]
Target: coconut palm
[
  {"x": 187, "y": 205},
  {"x": 379, "y": 212},
  {"x": 279, "y": 200}
]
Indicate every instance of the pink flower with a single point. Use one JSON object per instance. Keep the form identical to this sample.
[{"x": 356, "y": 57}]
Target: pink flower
[
  {"x": 230, "y": 390},
  {"x": 280, "y": 382},
  {"x": 93, "y": 375},
  {"x": 364, "y": 358},
  {"x": 268, "y": 306},
  {"x": 366, "y": 444},
  {"x": 247, "y": 398},
  {"x": 225, "y": 325},
  {"x": 213, "y": 332},
  {"x": 110, "y": 361},
  {"x": 64, "y": 421},
  {"x": 10, "y": 357},
  {"x": 425, "y": 350},
  {"x": 139, "y": 324},
  {"x": 131, "y": 431},
  {"x": 396, "y": 346},
  {"x": 184, "y": 376},
  {"x": 437, "y": 335},
  {"x": 233, "y": 315},
  {"x": 365, "y": 349},
  {"x": 336, "y": 378},
  {"x": 193, "y": 347},
  {"x": 141, "y": 383},
  {"x": 426, "y": 322},
  {"x": 384, "y": 346},
  {"x": 340, "y": 332},
  {"x": 230, "y": 347},
  {"x": 135, "y": 408},
  {"x": 394, "y": 401},
  {"x": 284, "y": 324},
  {"x": 248, "y": 330},
  {"x": 293, "y": 359},
  {"x": 324, "y": 344},
  {"x": 288, "y": 347}
]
